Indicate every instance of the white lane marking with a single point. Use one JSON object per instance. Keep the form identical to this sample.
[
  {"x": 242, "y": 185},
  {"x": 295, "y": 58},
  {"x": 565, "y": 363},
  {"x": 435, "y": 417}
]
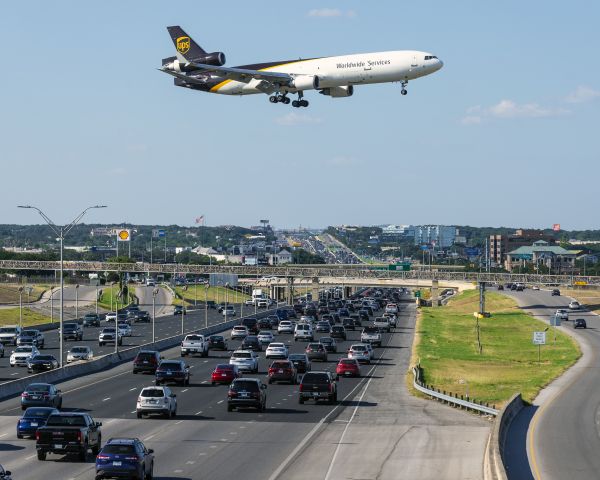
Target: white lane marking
[
  {"x": 185, "y": 390},
  {"x": 205, "y": 381},
  {"x": 132, "y": 389},
  {"x": 178, "y": 422},
  {"x": 201, "y": 453},
  {"x": 190, "y": 462},
  {"x": 198, "y": 413},
  {"x": 31, "y": 456},
  {"x": 106, "y": 399},
  {"x": 205, "y": 361},
  {"x": 223, "y": 440},
  {"x": 212, "y": 446},
  {"x": 3, "y": 435},
  {"x": 178, "y": 471},
  {"x": 220, "y": 401},
  {"x": 133, "y": 411},
  {"x": 150, "y": 437}
]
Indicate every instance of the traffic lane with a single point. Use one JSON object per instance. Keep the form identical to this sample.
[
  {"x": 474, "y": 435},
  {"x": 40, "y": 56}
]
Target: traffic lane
[
  {"x": 165, "y": 326},
  {"x": 564, "y": 427}
]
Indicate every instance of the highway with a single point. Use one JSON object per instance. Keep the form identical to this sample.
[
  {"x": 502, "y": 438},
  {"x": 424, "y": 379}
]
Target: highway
[
  {"x": 167, "y": 325},
  {"x": 205, "y": 441},
  {"x": 560, "y": 431}
]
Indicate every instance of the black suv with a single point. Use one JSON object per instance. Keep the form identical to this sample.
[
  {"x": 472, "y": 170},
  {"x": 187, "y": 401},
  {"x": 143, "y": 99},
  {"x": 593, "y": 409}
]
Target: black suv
[
  {"x": 347, "y": 323},
  {"x": 247, "y": 392},
  {"x": 318, "y": 386},
  {"x": 72, "y": 331},
  {"x": 179, "y": 309},
  {"x": 579, "y": 323},
  {"x": 338, "y": 331},
  {"x": 252, "y": 325},
  {"x": 251, "y": 343},
  {"x": 173, "y": 371},
  {"x": 146, "y": 361},
  {"x": 217, "y": 342},
  {"x": 91, "y": 320},
  {"x": 556, "y": 292}
]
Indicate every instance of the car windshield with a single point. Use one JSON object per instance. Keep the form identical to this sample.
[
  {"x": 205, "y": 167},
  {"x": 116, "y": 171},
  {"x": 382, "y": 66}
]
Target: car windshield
[
  {"x": 152, "y": 392},
  {"x": 370, "y": 329},
  {"x": 38, "y": 387},
  {"x": 66, "y": 421},
  {"x": 268, "y": 334},
  {"x": 79, "y": 350},
  {"x": 313, "y": 377},
  {"x": 170, "y": 366},
  {"x": 43, "y": 357},
  {"x": 276, "y": 345},
  {"x": 37, "y": 412},
  {"x": 348, "y": 361},
  {"x": 280, "y": 365},
  {"x": 244, "y": 385},
  {"x": 108, "y": 330},
  {"x": 69, "y": 326},
  {"x": 241, "y": 355},
  {"x": 193, "y": 337},
  {"x": 24, "y": 349},
  {"x": 240, "y": 329},
  {"x": 216, "y": 338},
  {"x": 326, "y": 340},
  {"x": 224, "y": 366},
  {"x": 28, "y": 333},
  {"x": 8, "y": 330},
  {"x": 359, "y": 348},
  {"x": 145, "y": 355},
  {"x": 119, "y": 449}
]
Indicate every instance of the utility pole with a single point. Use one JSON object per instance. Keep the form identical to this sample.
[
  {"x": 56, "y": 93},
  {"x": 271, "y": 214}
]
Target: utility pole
[
  {"x": 20, "y": 307},
  {"x": 154, "y": 294}
]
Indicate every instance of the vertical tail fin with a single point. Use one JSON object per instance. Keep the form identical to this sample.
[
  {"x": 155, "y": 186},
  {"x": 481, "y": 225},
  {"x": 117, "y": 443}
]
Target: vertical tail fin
[{"x": 187, "y": 49}]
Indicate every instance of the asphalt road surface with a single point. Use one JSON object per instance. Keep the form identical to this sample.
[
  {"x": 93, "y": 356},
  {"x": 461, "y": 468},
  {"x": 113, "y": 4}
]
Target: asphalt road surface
[
  {"x": 419, "y": 438},
  {"x": 560, "y": 431}
]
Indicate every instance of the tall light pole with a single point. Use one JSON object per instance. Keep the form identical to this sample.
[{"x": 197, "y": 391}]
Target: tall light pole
[
  {"x": 154, "y": 294},
  {"x": 52, "y": 304},
  {"x": 206, "y": 287},
  {"x": 76, "y": 302},
  {"x": 61, "y": 232},
  {"x": 21, "y": 307},
  {"x": 226, "y": 299},
  {"x": 97, "y": 283}
]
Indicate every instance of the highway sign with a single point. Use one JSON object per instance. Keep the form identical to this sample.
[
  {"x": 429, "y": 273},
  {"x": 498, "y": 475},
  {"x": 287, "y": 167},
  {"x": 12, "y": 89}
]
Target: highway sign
[
  {"x": 539, "y": 338},
  {"x": 404, "y": 267},
  {"x": 158, "y": 233},
  {"x": 418, "y": 294},
  {"x": 555, "y": 321}
]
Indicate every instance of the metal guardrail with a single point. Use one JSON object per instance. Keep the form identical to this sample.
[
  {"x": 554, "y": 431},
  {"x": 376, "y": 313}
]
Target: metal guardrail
[
  {"x": 421, "y": 387},
  {"x": 311, "y": 271}
]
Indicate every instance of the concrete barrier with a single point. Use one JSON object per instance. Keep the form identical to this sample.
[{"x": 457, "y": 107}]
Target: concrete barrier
[
  {"x": 493, "y": 462},
  {"x": 68, "y": 372}
]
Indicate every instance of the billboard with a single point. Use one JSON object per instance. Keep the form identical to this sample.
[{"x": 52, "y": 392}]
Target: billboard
[{"x": 220, "y": 279}]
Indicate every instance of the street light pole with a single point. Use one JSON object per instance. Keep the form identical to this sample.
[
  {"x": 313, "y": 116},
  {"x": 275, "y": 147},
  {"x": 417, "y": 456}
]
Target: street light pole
[
  {"x": 98, "y": 281},
  {"x": 226, "y": 300},
  {"x": 21, "y": 307},
  {"x": 206, "y": 287},
  {"x": 61, "y": 232},
  {"x": 76, "y": 302},
  {"x": 154, "y": 294},
  {"x": 52, "y": 304}
]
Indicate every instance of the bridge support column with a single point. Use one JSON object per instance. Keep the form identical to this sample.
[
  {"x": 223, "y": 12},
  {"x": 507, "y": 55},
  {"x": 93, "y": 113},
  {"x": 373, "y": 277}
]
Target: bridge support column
[
  {"x": 289, "y": 291},
  {"x": 315, "y": 289},
  {"x": 434, "y": 293}
]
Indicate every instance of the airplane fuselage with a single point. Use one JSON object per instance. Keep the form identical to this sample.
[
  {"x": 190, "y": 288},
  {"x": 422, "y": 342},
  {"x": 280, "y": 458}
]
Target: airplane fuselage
[{"x": 346, "y": 70}]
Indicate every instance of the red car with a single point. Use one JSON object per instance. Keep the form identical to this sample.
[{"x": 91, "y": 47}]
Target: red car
[
  {"x": 283, "y": 371},
  {"x": 225, "y": 374},
  {"x": 348, "y": 367}
]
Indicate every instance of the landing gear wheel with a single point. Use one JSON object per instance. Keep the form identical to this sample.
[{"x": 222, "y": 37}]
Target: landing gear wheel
[
  {"x": 281, "y": 98},
  {"x": 286, "y": 101},
  {"x": 304, "y": 103},
  {"x": 403, "y": 91},
  {"x": 295, "y": 103},
  {"x": 273, "y": 99}
]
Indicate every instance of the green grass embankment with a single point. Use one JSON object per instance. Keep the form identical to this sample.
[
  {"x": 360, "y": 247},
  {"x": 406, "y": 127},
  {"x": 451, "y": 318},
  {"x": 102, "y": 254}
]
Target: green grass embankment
[
  {"x": 214, "y": 294},
  {"x": 446, "y": 345},
  {"x": 10, "y": 316},
  {"x": 105, "y": 298}
]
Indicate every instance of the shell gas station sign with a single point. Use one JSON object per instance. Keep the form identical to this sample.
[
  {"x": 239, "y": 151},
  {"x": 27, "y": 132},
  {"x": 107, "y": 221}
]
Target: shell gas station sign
[{"x": 124, "y": 235}]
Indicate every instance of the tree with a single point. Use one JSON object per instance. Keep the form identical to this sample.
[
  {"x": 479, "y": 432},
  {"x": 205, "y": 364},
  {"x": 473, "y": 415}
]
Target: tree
[{"x": 301, "y": 256}]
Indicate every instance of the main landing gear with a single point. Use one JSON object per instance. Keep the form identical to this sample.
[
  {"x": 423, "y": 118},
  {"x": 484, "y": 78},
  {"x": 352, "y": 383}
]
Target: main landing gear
[
  {"x": 279, "y": 98},
  {"x": 404, "y": 91}
]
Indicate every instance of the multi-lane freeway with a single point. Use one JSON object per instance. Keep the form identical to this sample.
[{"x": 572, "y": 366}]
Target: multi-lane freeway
[
  {"x": 406, "y": 437},
  {"x": 558, "y": 437}
]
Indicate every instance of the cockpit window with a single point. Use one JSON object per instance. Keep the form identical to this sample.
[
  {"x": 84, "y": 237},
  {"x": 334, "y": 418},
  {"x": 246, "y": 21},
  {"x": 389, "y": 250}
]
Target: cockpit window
[{"x": 430, "y": 57}]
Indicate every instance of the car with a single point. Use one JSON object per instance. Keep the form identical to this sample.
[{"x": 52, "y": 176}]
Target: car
[
  {"x": 109, "y": 335},
  {"x": 172, "y": 371},
  {"x": 249, "y": 302},
  {"x": 555, "y": 292},
  {"x": 32, "y": 419},
  {"x": 110, "y": 317},
  {"x": 41, "y": 363},
  {"x": 574, "y": 305},
  {"x": 91, "y": 320},
  {"x": 363, "y": 314},
  {"x": 579, "y": 323},
  {"x": 150, "y": 282},
  {"x": 239, "y": 332},
  {"x": 142, "y": 316},
  {"x": 251, "y": 342},
  {"x": 5, "y": 474},
  {"x": 21, "y": 355},
  {"x": 391, "y": 308},
  {"x": 520, "y": 287},
  {"x": 67, "y": 433},
  {"x": 79, "y": 352},
  {"x": 195, "y": 344},
  {"x": 229, "y": 311},
  {"x": 276, "y": 350},
  {"x": 316, "y": 351},
  {"x": 307, "y": 319},
  {"x": 246, "y": 360},
  {"x": 179, "y": 309},
  {"x": 329, "y": 343},
  {"x": 348, "y": 323},
  {"x": 535, "y": 287},
  {"x": 371, "y": 335},
  {"x": 338, "y": 331},
  {"x": 159, "y": 400},
  {"x": 359, "y": 352},
  {"x": 217, "y": 342},
  {"x": 281, "y": 313},
  {"x": 273, "y": 320},
  {"x": 264, "y": 324},
  {"x": 225, "y": 373},
  {"x": 9, "y": 334},
  {"x": 72, "y": 331},
  {"x": 251, "y": 324},
  {"x": 392, "y": 319},
  {"x": 125, "y": 458},
  {"x": 347, "y": 367},
  {"x": 562, "y": 313},
  {"x": 247, "y": 392},
  {"x": 41, "y": 395},
  {"x": 146, "y": 361},
  {"x": 262, "y": 303},
  {"x": 283, "y": 371},
  {"x": 500, "y": 286},
  {"x": 317, "y": 386},
  {"x": 285, "y": 326},
  {"x": 291, "y": 313},
  {"x": 303, "y": 331},
  {"x": 265, "y": 337},
  {"x": 125, "y": 330},
  {"x": 301, "y": 362},
  {"x": 31, "y": 337},
  {"x": 370, "y": 349},
  {"x": 323, "y": 327},
  {"x": 382, "y": 324}
]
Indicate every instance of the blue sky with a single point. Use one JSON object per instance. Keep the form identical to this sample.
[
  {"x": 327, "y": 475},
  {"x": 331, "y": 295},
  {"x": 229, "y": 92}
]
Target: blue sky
[{"x": 505, "y": 134}]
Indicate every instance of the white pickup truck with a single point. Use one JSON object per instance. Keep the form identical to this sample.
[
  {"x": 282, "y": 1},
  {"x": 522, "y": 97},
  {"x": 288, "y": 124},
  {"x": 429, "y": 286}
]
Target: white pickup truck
[
  {"x": 371, "y": 335},
  {"x": 194, "y": 344},
  {"x": 382, "y": 323}
]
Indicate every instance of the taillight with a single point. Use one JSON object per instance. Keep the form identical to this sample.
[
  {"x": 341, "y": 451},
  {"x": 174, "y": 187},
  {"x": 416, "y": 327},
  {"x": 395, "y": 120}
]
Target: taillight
[
  {"x": 330, "y": 388},
  {"x": 103, "y": 457},
  {"x": 24, "y": 395},
  {"x": 300, "y": 388},
  {"x": 79, "y": 436},
  {"x": 231, "y": 393},
  {"x": 37, "y": 435}
]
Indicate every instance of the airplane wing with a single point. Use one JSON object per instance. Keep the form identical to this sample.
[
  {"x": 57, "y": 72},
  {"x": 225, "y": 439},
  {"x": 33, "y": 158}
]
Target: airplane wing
[{"x": 226, "y": 73}]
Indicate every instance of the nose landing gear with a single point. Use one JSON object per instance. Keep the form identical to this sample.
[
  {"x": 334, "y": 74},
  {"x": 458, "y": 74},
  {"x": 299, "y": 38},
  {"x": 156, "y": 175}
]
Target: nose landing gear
[{"x": 404, "y": 91}]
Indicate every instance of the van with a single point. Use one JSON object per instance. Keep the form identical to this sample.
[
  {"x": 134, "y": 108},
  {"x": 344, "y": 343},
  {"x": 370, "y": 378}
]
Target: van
[{"x": 303, "y": 331}]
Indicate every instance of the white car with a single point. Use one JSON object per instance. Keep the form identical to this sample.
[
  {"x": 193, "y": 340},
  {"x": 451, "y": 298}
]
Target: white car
[
  {"x": 303, "y": 331},
  {"x": 277, "y": 350},
  {"x": 159, "y": 400},
  {"x": 370, "y": 349},
  {"x": 245, "y": 360},
  {"x": 535, "y": 287},
  {"x": 249, "y": 303},
  {"x": 110, "y": 317},
  {"x": 229, "y": 311},
  {"x": 360, "y": 352},
  {"x": 262, "y": 303},
  {"x": 20, "y": 355},
  {"x": 562, "y": 314},
  {"x": 392, "y": 319},
  {"x": 574, "y": 305},
  {"x": 79, "y": 353},
  {"x": 285, "y": 326},
  {"x": 391, "y": 308},
  {"x": 239, "y": 332},
  {"x": 9, "y": 334},
  {"x": 265, "y": 337},
  {"x": 125, "y": 330}
]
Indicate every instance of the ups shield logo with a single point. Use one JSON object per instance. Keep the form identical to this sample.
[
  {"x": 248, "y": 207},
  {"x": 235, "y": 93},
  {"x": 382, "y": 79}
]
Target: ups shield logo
[{"x": 183, "y": 45}]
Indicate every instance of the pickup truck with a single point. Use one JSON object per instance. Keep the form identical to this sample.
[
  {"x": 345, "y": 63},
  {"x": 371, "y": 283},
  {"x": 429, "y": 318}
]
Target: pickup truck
[
  {"x": 317, "y": 386},
  {"x": 9, "y": 334},
  {"x": 195, "y": 344},
  {"x": 371, "y": 335},
  {"x": 382, "y": 323},
  {"x": 68, "y": 433}
]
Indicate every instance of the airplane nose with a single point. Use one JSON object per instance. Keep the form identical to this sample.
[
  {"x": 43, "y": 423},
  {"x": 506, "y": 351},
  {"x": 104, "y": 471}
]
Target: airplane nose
[{"x": 440, "y": 64}]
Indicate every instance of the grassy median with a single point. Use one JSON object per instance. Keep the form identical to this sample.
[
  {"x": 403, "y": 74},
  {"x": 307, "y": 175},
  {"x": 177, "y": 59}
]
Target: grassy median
[
  {"x": 590, "y": 297},
  {"x": 447, "y": 348},
  {"x": 10, "y": 316},
  {"x": 215, "y": 294},
  {"x": 9, "y": 293},
  {"x": 108, "y": 297}
]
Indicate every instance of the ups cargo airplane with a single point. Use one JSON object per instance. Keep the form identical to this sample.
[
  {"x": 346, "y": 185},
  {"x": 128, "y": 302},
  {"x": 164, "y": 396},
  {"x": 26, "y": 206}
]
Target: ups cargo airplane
[{"x": 336, "y": 77}]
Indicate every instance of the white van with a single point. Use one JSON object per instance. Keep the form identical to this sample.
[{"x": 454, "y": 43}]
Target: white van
[{"x": 303, "y": 331}]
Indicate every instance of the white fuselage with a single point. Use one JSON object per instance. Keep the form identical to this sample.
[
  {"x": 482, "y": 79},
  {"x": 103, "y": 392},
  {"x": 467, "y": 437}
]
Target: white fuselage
[{"x": 358, "y": 69}]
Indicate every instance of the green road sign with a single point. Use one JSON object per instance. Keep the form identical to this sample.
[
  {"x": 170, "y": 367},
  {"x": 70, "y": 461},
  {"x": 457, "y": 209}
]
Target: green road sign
[{"x": 418, "y": 294}]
